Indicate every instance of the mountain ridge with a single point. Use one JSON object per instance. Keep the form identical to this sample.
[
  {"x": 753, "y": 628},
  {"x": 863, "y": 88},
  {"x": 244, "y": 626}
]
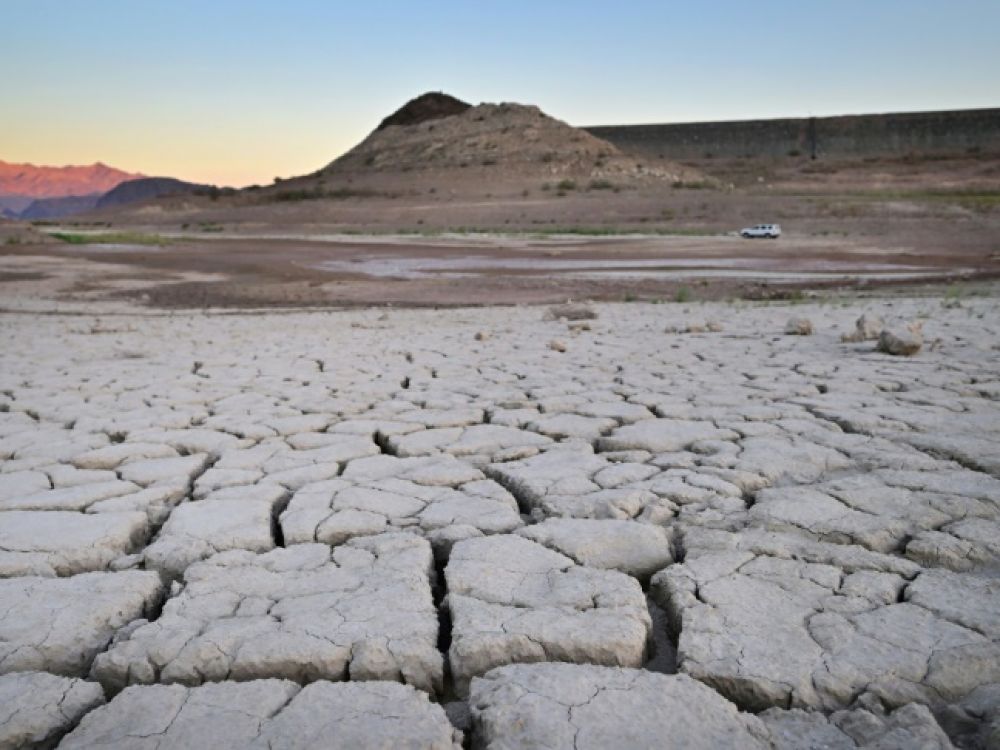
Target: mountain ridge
[{"x": 43, "y": 181}]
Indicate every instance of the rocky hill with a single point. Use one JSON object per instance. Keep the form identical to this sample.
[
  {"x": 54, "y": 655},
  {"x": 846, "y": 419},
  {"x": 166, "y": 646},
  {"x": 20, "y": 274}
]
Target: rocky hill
[
  {"x": 437, "y": 132},
  {"x": 147, "y": 188},
  {"x": 55, "y": 208}
]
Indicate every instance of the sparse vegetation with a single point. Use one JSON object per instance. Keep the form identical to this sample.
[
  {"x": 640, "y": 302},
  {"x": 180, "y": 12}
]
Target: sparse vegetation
[
  {"x": 297, "y": 195},
  {"x": 111, "y": 238},
  {"x": 613, "y": 231},
  {"x": 571, "y": 311},
  {"x": 601, "y": 185},
  {"x": 952, "y": 297},
  {"x": 975, "y": 199},
  {"x": 692, "y": 185},
  {"x": 819, "y": 168},
  {"x": 213, "y": 192},
  {"x": 683, "y": 294},
  {"x": 309, "y": 194},
  {"x": 566, "y": 185}
]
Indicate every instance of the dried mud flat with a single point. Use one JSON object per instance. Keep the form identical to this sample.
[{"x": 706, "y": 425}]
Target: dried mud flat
[
  {"x": 300, "y": 270},
  {"x": 499, "y": 528}
]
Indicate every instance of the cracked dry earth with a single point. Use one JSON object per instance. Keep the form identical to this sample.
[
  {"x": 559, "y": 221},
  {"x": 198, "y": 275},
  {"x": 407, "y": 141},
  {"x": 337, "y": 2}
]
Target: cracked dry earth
[{"x": 432, "y": 529}]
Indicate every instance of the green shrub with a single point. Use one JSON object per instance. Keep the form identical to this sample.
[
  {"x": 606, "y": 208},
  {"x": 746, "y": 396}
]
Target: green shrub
[
  {"x": 111, "y": 238},
  {"x": 692, "y": 185},
  {"x": 297, "y": 195}
]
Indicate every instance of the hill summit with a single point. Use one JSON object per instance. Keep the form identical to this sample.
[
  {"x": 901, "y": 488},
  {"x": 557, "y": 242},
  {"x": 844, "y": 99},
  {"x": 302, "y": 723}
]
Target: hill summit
[{"x": 430, "y": 106}]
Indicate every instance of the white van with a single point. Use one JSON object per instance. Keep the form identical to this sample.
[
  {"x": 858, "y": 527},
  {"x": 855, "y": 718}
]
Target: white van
[{"x": 770, "y": 231}]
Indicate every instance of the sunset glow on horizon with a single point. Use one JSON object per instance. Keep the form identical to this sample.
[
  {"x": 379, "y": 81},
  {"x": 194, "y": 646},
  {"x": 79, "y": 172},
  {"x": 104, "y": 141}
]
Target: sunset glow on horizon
[{"x": 236, "y": 93}]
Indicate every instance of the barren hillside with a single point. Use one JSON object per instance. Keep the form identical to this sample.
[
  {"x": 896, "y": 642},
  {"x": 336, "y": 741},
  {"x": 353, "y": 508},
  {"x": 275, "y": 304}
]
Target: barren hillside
[{"x": 513, "y": 140}]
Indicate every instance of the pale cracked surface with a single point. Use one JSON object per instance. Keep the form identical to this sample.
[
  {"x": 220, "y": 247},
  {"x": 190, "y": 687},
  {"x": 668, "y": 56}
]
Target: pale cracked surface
[
  {"x": 37, "y": 708},
  {"x": 774, "y": 628},
  {"x": 439, "y": 497},
  {"x": 805, "y": 526},
  {"x": 513, "y": 600},
  {"x": 267, "y": 714},
  {"x": 61, "y": 543},
  {"x": 60, "y": 624},
  {"x": 573, "y": 707},
  {"x": 562, "y": 706},
  {"x": 363, "y": 611},
  {"x": 911, "y": 726}
]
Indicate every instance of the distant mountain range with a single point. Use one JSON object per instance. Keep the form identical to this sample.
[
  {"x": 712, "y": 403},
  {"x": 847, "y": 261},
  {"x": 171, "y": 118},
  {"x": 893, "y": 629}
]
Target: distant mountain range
[
  {"x": 30, "y": 192},
  {"x": 57, "y": 182}
]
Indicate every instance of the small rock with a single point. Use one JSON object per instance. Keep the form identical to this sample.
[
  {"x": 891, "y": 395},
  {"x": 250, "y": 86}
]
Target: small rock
[
  {"x": 557, "y": 346},
  {"x": 799, "y": 327},
  {"x": 570, "y": 311},
  {"x": 866, "y": 328},
  {"x": 126, "y": 562},
  {"x": 482, "y": 336},
  {"x": 901, "y": 341},
  {"x": 713, "y": 326},
  {"x": 577, "y": 327}
]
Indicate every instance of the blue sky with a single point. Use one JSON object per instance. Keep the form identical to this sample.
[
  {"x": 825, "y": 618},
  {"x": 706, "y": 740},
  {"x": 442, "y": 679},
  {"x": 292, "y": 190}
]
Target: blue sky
[{"x": 239, "y": 91}]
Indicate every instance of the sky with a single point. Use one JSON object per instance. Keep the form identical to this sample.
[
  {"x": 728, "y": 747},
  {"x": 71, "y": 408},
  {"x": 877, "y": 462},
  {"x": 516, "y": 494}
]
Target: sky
[{"x": 236, "y": 92}]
